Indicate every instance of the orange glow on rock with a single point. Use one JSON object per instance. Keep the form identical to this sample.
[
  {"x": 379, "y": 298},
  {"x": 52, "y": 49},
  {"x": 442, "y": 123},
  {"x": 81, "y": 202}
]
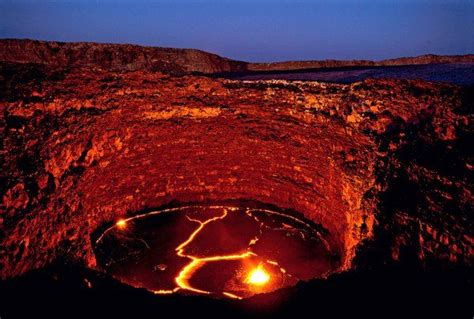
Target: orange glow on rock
[{"x": 258, "y": 276}]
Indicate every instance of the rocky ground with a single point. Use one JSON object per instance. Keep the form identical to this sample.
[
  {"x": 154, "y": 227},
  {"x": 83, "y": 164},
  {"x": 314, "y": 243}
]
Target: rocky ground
[{"x": 384, "y": 165}]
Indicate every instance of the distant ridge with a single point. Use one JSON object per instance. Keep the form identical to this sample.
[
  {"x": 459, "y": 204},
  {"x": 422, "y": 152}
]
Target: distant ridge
[
  {"x": 117, "y": 57},
  {"x": 170, "y": 60},
  {"x": 419, "y": 60}
]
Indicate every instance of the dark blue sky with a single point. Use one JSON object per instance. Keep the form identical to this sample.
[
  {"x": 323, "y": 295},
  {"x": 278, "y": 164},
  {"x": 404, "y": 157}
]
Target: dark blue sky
[{"x": 256, "y": 30}]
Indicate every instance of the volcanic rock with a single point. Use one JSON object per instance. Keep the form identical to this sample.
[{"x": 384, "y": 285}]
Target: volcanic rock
[{"x": 384, "y": 165}]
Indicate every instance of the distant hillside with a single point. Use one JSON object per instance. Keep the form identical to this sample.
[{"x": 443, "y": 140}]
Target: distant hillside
[
  {"x": 301, "y": 65},
  {"x": 120, "y": 57},
  {"x": 117, "y": 57}
]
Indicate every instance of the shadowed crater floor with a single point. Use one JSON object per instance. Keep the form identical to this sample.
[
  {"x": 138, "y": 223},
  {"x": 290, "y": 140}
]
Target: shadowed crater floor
[{"x": 223, "y": 251}]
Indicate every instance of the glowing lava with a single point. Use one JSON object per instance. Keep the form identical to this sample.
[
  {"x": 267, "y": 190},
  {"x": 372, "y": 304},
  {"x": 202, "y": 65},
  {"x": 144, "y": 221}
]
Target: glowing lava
[
  {"x": 121, "y": 224},
  {"x": 258, "y": 276},
  {"x": 182, "y": 280},
  {"x": 255, "y": 243}
]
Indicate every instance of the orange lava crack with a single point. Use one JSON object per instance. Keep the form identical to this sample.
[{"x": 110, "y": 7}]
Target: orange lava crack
[{"x": 182, "y": 280}]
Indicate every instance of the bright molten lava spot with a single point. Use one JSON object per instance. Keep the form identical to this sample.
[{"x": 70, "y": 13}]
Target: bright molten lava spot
[
  {"x": 121, "y": 224},
  {"x": 258, "y": 276}
]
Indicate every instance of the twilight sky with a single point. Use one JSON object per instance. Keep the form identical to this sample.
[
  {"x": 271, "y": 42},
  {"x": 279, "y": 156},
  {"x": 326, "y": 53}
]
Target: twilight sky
[{"x": 258, "y": 30}]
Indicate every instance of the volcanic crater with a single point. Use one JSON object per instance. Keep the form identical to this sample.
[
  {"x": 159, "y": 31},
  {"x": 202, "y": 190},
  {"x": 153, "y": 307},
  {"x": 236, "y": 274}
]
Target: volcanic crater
[{"x": 380, "y": 169}]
